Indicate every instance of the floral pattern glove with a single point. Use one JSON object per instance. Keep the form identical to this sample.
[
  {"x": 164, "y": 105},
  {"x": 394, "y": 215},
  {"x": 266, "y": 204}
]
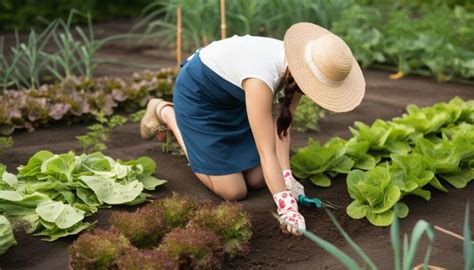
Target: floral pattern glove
[
  {"x": 292, "y": 185},
  {"x": 288, "y": 211}
]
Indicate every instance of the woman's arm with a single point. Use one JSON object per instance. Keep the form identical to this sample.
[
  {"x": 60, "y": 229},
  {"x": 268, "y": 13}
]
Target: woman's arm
[
  {"x": 283, "y": 145},
  {"x": 259, "y": 99}
]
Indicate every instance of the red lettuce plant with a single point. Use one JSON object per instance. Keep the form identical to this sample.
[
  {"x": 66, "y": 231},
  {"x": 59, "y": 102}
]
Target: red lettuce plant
[
  {"x": 79, "y": 98},
  {"x": 144, "y": 228},
  {"x": 176, "y": 210},
  {"x": 146, "y": 260},
  {"x": 230, "y": 223},
  {"x": 97, "y": 250},
  {"x": 193, "y": 247}
]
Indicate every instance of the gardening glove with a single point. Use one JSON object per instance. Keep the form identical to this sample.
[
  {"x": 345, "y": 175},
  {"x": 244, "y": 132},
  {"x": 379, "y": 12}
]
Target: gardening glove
[
  {"x": 288, "y": 212},
  {"x": 292, "y": 185}
]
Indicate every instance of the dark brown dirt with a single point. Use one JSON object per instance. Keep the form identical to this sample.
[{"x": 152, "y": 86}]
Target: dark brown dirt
[{"x": 270, "y": 249}]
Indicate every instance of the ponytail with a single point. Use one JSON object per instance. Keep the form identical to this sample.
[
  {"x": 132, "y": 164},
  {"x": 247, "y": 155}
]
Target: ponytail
[{"x": 289, "y": 89}]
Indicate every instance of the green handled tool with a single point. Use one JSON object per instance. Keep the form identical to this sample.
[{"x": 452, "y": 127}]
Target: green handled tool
[{"x": 307, "y": 201}]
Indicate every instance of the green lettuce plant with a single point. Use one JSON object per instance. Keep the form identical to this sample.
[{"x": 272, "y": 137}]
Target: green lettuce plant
[
  {"x": 316, "y": 162},
  {"x": 53, "y": 193},
  {"x": 374, "y": 196}
]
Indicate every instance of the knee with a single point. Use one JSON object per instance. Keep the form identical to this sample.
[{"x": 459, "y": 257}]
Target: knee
[
  {"x": 234, "y": 194},
  {"x": 255, "y": 182}
]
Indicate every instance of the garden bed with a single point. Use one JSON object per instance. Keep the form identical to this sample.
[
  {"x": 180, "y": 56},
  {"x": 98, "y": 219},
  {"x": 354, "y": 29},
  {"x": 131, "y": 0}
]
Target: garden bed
[{"x": 269, "y": 247}]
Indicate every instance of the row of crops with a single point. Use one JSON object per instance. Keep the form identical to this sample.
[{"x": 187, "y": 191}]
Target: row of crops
[
  {"x": 431, "y": 38},
  {"x": 389, "y": 160},
  {"x": 404, "y": 37}
]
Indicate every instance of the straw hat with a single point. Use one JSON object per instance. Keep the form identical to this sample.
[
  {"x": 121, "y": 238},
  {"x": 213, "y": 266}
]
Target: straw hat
[{"x": 323, "y": 67}]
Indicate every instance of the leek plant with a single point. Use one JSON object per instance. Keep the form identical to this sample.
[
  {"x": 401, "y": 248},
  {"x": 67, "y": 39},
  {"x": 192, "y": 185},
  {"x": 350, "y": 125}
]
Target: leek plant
[
  {"x": 76, "y": 56},
  {"x": 26, "y": 62},
  {"x": 404, "y": 252}
]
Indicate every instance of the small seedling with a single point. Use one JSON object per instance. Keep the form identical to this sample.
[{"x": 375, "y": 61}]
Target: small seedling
[
  {"x": 99, "y": 133},
  {"x": 137, "y": 116},
  {"x": 5, "y": 143}
]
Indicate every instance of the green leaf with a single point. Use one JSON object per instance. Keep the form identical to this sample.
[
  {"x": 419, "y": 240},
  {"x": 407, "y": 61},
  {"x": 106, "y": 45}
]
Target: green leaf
[
  {"x": 437, "y": 184},
  {"x": 33, "y": 166},
  {"x": 6, "y": 235},
  {"x": 60, "y": 166},
  {"x": 380, "y": 219},
  {"x": 320, "y": 180},
  {"x": 421, "y": 227},
  {"x": 56, "y": 233},
  {"x": 111, "y": 192},
  {"x": 367, "y": 162},
  {"x": 460, "y": 178},
  {"x": 357, "y": 210},
  {"x": 62, "y": 215},
  {"x": 151, "y": 182},
  {"x": 401, "y": 210}
]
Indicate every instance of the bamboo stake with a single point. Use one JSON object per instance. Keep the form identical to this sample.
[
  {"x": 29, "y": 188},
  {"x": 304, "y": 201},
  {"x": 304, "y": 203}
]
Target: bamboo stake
[
  {"x": 178, "y": 37},
  {"x": 450, "y": 233},
  {"x": 223, "y": 24}
]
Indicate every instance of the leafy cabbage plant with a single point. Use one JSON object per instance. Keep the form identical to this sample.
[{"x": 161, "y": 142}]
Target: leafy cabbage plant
[
  {"x": 53, "y": 193},
  {"x": 316, "y": 162},
  {"x": 374, "y": 196}
]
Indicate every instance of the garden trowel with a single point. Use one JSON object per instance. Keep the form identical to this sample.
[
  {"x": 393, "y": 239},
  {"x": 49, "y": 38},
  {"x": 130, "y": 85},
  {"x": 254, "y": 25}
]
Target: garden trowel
[{"x": 298, "y": 192}]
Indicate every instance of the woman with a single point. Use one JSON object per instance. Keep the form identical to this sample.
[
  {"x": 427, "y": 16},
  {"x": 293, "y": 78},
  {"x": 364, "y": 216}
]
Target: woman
[{"x": 221, "y": 113}]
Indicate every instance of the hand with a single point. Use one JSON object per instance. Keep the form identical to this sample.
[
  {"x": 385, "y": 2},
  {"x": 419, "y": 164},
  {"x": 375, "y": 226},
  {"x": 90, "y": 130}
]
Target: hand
[
  {"x": 288, "y": 211},
  {"x": 292, "y": 185}
]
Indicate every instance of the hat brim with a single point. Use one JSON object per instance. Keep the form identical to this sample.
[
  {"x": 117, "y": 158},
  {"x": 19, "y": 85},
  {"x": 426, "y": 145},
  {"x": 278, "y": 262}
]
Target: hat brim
[{"x": 342, "y": 98}]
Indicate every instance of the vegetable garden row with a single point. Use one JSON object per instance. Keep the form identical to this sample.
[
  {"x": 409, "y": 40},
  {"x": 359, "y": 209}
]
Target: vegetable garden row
[{"x": 392, "y": 159}]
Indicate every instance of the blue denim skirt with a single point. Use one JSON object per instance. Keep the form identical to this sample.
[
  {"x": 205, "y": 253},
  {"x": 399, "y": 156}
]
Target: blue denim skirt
[{"x": 212, "y": 118}]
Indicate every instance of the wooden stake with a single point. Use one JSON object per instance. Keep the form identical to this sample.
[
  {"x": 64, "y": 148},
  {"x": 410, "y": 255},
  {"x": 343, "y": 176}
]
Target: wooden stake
[
  {"x": 178, "y": 36},
  {"x": 223, "y": 25},
  {"x": 450, "y": 233}
]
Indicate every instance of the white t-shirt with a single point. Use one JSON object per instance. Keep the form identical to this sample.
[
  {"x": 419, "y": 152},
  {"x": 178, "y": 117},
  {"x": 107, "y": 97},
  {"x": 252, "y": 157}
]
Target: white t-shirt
[{"x": 240, "y": 57}]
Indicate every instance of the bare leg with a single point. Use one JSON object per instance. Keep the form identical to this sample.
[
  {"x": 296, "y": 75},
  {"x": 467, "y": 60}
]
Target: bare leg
[
  {"x": 167, "y": 115},
  {"x": 254, "y": 178},
  {"x": 230, "y": 187}
]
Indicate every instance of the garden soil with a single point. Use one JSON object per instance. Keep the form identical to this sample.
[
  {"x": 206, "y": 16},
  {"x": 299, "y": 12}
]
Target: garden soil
[{"x": 269, "y": 247}]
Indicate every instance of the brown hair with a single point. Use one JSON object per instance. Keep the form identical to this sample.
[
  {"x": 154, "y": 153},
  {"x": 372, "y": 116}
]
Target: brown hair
[{"x": 289, "y": 87}]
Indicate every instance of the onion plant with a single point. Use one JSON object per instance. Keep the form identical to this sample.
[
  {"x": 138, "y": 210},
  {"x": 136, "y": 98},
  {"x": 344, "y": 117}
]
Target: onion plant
[
  {"x": 403, "y": 257},
  {"x": 26, "y": 62},
  {"x": 404, "y": 252}
]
